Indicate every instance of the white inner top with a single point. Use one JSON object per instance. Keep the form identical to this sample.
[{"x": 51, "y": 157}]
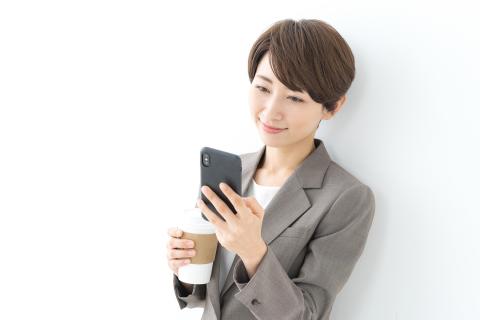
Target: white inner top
[{"x": 263, "y": 194}]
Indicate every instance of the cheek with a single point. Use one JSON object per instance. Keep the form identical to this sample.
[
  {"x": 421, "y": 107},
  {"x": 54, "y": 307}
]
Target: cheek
[
  {"x": 254, "y": 104},
  {"x": 303, "y": 121}
]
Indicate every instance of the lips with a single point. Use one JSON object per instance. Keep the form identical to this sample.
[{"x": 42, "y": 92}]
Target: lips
[{"x": 270, "y": 127}]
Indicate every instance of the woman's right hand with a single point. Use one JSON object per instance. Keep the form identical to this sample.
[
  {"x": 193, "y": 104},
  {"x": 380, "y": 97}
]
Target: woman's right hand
[{"x": 179, "y": 251}]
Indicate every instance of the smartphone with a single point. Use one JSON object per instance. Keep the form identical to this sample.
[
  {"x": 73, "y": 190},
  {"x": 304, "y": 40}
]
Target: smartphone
[{"x": 219, "y": 166}]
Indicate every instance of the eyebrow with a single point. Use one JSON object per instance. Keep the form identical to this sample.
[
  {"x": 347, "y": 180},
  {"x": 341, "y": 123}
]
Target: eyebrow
[
  {"x": 264, "y": 78},
  {"x": 270, "y": 81}
]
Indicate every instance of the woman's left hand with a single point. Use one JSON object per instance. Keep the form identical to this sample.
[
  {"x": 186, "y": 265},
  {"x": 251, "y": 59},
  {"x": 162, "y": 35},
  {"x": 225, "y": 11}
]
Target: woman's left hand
[{"x": 242, "y": 232}]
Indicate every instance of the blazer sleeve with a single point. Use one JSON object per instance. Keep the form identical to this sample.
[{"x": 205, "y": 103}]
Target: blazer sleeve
[
  {"x": 197, "y": 298},
  {"x": 332, "y": 252},
  {"x": 194, "y": 300}
]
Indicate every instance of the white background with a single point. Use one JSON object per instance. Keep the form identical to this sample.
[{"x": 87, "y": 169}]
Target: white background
[{"x": 104, "y": 106}]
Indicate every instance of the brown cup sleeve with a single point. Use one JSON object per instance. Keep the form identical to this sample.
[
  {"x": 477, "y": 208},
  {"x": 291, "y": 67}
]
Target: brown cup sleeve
[{"x": 205, "y": 246}]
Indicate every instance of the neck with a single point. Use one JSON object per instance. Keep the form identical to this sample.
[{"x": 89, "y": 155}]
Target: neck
[{"x": 281, "y": 160}]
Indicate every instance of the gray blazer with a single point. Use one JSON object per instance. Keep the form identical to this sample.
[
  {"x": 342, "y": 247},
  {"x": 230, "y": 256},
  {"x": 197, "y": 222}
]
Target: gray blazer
[{"x": 315, "y": 226}]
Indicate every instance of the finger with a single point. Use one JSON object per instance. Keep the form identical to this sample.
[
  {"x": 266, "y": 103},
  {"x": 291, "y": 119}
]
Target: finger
[
  {"x": 175, "y": 243},
  {"x": 211, "y": 216},
  {"x": 175, "y": 264},
  {"x": 180, "y": 254},
  {"x": 175, "y": 232},
  {"x": 253, "y": 204},
  {"x": 218, "y": 203},
  {"x": 233, "y": 197}
]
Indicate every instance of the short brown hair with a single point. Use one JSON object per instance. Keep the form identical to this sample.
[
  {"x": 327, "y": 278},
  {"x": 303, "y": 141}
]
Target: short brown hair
[{"x": 308, "y": 55}]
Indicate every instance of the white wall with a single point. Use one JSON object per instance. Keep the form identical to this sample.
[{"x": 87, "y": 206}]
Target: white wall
[{"x": 104, "y": 106}]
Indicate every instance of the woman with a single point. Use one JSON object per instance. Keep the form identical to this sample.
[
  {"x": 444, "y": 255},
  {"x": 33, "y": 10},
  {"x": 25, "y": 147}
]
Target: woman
[{"x": 304, "y": 221}]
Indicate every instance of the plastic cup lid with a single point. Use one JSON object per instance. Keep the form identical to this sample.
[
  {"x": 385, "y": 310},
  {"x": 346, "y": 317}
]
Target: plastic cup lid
[{"x": 191, "y": 220}]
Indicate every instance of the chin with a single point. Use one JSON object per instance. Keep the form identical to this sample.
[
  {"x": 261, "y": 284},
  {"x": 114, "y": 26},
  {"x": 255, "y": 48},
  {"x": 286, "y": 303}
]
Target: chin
[{"x": 272, "y": 141}]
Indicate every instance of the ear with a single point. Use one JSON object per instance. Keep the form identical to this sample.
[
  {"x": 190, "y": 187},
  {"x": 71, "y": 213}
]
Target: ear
[{"x": 339, "y": 105}]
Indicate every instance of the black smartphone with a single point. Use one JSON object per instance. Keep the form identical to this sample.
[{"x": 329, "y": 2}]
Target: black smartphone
[{"x": 219, "y": 166}]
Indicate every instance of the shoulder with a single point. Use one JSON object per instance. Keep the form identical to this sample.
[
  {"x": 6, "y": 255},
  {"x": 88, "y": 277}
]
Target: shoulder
[
  {"x": 338, "y": 185},
  {"x": 347, "y": 186},
  {"x": 337, "y": 176}
]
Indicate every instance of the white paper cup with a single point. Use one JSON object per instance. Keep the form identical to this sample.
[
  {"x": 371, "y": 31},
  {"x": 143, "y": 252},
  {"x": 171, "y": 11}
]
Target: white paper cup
[{"x": 202, "y": 232}]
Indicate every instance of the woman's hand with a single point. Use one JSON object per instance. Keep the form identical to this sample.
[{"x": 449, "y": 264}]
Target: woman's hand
[
  {"x": 179, "y": 251},
  {"x": 242, "y": 232}
]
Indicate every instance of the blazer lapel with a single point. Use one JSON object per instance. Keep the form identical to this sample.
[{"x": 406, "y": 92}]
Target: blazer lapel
[
  {"x": 212, "y": 285},
  {"x": 291, "y": 201}
]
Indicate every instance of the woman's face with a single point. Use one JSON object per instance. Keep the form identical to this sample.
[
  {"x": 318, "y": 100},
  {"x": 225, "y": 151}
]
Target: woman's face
[{"x": 277, "y": 106}]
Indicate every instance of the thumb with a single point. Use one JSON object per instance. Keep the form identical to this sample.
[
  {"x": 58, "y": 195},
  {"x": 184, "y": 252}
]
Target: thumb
[{"x": 253, "y": 204}]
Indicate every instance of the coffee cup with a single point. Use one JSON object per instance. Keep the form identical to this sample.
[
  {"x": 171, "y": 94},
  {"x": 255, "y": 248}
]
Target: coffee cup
[{"x": 202, "y": 232}]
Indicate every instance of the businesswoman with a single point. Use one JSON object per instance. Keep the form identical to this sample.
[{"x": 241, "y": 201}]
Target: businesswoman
[{"x": 302, "y": 219}]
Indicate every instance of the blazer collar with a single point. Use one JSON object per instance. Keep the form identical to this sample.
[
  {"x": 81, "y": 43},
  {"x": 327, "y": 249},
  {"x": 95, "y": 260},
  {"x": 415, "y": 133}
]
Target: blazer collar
[
  {"x": 290, "y": 201},
  {"x": 309, "y": 173},
  {"x": 288, "y": 204}
]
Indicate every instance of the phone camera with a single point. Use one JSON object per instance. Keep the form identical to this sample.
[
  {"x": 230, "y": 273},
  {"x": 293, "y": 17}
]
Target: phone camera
[{"x": 206, "y": 159}]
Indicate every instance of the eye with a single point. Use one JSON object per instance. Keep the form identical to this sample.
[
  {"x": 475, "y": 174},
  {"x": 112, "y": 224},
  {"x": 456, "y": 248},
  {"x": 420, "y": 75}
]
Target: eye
[
  {"x": 262, "y": 89},
  {"x": 295, "y": 99}
]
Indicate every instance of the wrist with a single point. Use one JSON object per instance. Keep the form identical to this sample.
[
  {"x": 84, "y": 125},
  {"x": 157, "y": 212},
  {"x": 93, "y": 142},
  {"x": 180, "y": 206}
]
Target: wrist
[{"x": 256, "y": 256}]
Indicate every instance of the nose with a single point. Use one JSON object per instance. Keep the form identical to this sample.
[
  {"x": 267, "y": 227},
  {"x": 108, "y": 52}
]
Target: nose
[{"x": 272, "y": 109}]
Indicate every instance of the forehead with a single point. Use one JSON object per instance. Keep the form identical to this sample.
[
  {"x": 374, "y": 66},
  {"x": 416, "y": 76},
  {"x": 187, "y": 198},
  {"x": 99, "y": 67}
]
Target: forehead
[{"x": 264, "y": 68}]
